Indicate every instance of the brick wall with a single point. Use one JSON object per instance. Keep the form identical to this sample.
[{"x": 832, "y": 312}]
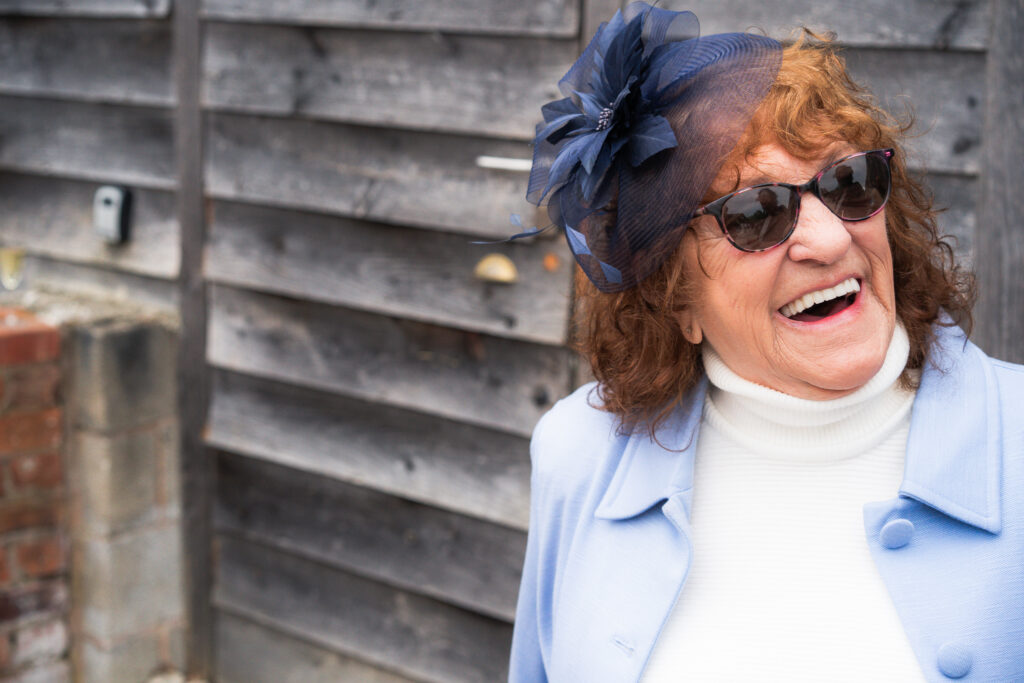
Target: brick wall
[
  {"x": 91, "y": 585},
  {"x": 34, "y": 581}
]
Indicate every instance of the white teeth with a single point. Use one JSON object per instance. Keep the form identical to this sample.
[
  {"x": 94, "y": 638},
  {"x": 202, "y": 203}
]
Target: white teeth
[{"x": 822, "y": 295}]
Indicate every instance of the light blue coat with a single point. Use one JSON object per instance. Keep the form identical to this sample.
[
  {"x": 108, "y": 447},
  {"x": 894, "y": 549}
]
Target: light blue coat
[{"x": 609, "y": 547}]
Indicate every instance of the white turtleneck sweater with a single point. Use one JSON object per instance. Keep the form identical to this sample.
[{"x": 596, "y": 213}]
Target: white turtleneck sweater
[{"x": 781, "y": 585}]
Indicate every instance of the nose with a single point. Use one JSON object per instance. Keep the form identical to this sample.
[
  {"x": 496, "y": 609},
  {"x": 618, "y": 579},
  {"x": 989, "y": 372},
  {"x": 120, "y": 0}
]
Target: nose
[{"x": 820, "y": 235}]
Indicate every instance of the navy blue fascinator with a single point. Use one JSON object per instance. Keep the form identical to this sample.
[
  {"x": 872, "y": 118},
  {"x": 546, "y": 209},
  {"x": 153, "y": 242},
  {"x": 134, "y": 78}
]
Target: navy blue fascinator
[{"x": 650, "y": 112}]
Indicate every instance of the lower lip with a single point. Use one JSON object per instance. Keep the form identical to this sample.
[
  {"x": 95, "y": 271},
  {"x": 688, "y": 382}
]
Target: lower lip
[{"x": 837, "y": 319}]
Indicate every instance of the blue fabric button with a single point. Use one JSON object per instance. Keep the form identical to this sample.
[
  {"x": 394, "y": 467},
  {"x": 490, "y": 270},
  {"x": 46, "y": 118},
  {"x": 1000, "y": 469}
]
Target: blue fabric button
[
  {"x": 896, "y": 533},
  {"x": 954, "y": 660}
]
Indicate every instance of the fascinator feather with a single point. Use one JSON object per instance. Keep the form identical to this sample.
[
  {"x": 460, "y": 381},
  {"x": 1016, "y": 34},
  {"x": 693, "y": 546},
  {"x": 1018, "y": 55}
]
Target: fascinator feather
[{"x": 650, "y": 109}]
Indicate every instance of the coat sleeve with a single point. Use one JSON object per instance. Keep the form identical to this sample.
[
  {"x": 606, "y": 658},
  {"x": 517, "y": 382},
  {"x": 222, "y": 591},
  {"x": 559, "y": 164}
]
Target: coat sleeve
[{"x": 533, "y": 610}]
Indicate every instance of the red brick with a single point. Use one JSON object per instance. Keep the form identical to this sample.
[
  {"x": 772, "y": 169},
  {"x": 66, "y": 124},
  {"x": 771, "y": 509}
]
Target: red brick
[
  {"x": 35, "y": 598},
  {"x": 37, "y": 471},
  {"x": 30, "y": 431},
  {"x": 28, "y": 515},
  {"x": 5, "y": 651},
  {"x": 29, "y": 387},
  {"x": 5, "y": 568},
  {"x": 40, "y": 557},
  {"x": 24, "y": 338}
]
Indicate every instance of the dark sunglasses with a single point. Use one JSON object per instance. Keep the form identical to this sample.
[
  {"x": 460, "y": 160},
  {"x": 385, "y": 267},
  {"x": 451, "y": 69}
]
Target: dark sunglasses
[{"x": 757, "y": 218}]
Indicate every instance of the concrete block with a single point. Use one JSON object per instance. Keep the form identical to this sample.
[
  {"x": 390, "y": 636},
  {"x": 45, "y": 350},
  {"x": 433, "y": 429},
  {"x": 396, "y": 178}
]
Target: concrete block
[
  {"x": 129, "y": 583},
  {"x": 176, "y": 647},
  {"x": 130, "y": 661},
  {"x": 123, "y": 373},
  {"x": 116, "y": 479}
]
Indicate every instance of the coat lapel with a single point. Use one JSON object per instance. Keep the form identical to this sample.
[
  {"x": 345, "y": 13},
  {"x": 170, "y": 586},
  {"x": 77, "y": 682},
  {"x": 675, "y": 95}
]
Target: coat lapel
[
  {"x": 638, "y": 550},
  {"x": 954, "y": 450}
]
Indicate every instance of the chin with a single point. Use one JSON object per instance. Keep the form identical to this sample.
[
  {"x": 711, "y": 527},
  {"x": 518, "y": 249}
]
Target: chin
[{"x": 849, "y": 369}]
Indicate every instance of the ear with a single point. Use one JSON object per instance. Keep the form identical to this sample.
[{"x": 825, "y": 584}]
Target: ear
[{"x": 690, "y": 326}]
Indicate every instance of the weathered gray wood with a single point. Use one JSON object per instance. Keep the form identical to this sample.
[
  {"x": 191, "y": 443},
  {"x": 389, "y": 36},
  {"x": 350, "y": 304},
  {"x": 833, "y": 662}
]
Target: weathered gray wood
[
  {"x": 101, "y": 142},
  {"x": 415, "y": 547},
  {"x": 429, "y": 180},
  {"x": 956, "y": 197},
  {"x": 248, "y": 652},
  {"x": 594, "y": 13},
  {"x": 530, "y": 17},
  {"x": 91, "y": 8},
  {"x": 946, "y": 91},
  {"x": 49, "y": 273},
  {"x": 463, "y": 84},
  {"x": 446, "y": 464},
  {"x": 465, "y": 376},
  {"x": 999, "y": 243},
  {"x": 193, "y": 379},
  {"x": 88, "y": 59},
  {"x": 907, "y": 23},
  {"x": 411, "y": 634},
  {"x": 53, "y": 217},
  {"x": 407, "y": 272}
]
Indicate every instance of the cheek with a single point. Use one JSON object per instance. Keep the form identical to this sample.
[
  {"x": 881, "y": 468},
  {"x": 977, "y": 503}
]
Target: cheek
[
  {"x": 733, "y": 292},
  {"x": 875, "y": 242}
]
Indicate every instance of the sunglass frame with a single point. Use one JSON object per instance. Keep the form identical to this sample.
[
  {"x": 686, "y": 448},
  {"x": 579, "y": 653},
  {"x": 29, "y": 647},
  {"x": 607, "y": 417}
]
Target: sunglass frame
[{"x": 715, "y": 207}]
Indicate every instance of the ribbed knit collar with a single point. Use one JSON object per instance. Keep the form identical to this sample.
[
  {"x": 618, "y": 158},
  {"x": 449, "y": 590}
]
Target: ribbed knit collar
[{"x": 781, "y": 426}]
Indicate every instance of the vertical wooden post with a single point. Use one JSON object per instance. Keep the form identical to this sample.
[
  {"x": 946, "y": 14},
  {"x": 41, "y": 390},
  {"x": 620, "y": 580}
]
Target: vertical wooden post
[
  {"x": 193, "y": 375},
  {"x": 999, "y": 251}
]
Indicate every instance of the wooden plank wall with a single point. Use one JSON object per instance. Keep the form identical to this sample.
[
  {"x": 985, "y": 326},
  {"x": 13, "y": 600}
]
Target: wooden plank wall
[
  {"x": 86, "y": 99},
  {"x": 371, "y": 400}
]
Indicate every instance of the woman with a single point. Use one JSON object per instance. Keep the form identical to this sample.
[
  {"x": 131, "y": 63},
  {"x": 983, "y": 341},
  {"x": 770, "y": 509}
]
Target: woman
[{"x": 793, "y": 466}]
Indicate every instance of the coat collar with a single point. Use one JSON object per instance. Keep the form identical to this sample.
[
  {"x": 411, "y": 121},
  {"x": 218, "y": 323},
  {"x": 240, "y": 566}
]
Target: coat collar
[
  {"x": 954, "y": 451},
  {"x": 653, "y": 470}
]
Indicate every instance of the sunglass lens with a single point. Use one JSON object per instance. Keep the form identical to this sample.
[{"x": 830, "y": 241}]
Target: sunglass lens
[
  {"x": 761, "y": 217},
  {"x": 856, "y": 188}
]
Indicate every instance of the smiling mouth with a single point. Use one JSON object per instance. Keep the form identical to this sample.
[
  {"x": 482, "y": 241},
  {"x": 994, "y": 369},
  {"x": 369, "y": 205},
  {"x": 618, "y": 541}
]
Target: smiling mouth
[{"x": 823, "y": 303}]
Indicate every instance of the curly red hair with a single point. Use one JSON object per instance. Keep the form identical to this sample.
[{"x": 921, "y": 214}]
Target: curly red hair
[{"x": 632, "y": 339}]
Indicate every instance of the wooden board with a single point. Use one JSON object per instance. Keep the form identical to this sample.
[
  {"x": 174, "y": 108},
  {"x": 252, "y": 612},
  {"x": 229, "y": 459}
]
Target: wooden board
[
  {"x": 464, "y": 84},
  {"x": 445, "y": 464},
  {"x": 415, "y": 547},
  {"x": 907, "y": 23},
  {"x": 96, "y": 280},
  {"x": 74, "y": 58},
  {"x": 1000, "y": 309},
  {"x": 945, "y": 90},
  {"x": 429, "y": 180},
  {"x": 407, "y": 272},
  {"x": 101, "y": 142},
  {"x": 465, "y": 376},
  {"x": 193, "y": 377},
  {"x": 91, "y": 8},
  {"x": 53, "y": 217},
  {"x": 411, "y": 634},
  {"x": 532, "y": 17},
  {"x": 956, "y": 198},
  {"x": 283, "y": 658}
]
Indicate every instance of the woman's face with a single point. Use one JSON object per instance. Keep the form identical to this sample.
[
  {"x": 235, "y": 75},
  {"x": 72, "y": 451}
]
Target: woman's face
[{"x": 741, "y": 295}]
